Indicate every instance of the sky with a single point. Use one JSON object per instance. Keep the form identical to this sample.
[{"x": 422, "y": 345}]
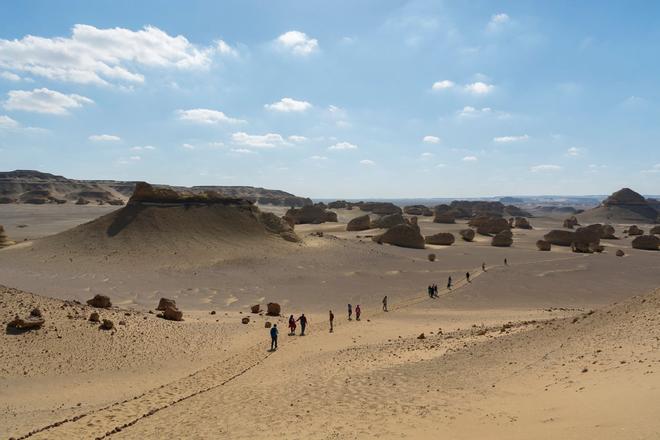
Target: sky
[{"x": 341, "y": 99}]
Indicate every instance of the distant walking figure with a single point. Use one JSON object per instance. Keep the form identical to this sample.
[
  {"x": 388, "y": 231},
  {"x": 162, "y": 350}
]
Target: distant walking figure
[
  {"x": 430, "y": 291},
  {"x": 506, "y": 263},
  {"x": 467, "y": 277},
  {"x": 483, "y": 267},
  {"x": 449, "y": 283},
  {"x": 350, "y": 312},
  {"x": 435, "y": 290},
  {"x": 358, "y": 311},
  {"x": 292, "y": 325},
  {"x": 385, "y": 304},
  {"x": 303, "y": 324},
  {"x": 273, "y": 337},
  {"x": 332, "y": 320}
]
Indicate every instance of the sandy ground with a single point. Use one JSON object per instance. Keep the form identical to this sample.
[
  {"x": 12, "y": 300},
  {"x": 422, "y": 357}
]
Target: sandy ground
[{"x": 553, "y": 345}]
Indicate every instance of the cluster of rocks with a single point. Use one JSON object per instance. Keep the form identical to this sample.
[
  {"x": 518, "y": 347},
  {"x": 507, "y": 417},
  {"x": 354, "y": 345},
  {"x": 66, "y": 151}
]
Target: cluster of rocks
[
  {"x": 634, "y": 230},
  {"x": 519, "y": 223},
  {"x": 169, "y": 310},
  {"x": 419, "y": 210},
  {"x": 584, "y": 239},
  {"x": 4, "y": 240},
  {"x": 407, "y": 235},
  {"x": 313, "y": 214},
  {"x": 466, "y": 209},
  {"x": 32, "y": 322},
  {"x": 489, "y": 225}
]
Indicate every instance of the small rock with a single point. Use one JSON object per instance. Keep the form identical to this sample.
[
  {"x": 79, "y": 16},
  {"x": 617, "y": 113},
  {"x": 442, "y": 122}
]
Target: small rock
[
  {"x": 245, "y": 320},
  {"x": 267, "y": 324},
  {"x": 107, "y": 325},
  {"x": 421, "y": 336},
  {"x": 94, "y": 317}
]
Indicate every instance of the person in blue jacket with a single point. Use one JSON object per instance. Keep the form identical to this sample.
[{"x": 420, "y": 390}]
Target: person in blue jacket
[{"x": 273, "y": 337}]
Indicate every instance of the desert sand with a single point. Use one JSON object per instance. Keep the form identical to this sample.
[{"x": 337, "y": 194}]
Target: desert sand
[{"x": 552, "y": 345}]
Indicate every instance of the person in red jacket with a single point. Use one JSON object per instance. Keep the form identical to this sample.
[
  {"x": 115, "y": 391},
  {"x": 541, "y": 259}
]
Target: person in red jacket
[
  {"x": 292, "y": 325},
  {"x": 358, "y": 311}
]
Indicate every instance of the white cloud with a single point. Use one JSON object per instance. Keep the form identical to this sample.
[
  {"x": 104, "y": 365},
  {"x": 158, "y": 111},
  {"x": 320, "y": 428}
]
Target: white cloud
[
  {"x": 442, "y": 85},
  {"x": 427, "y": 155},
  {"x": 207, "y": 116},
  {"x": 9, "y": 76},
  {"x": 431, "y": 139},
  {"x": 318, "y": 158},
  {"x": 104, "y": 138},
  {"x": 298, "y": 43},
  {"x": 287, "y": 105},
  {"x": 510, "y": 139},
  {"x": 367, "y": 162},
  {"x": 135, "y": 158},
  {"x": 545, "y": 168},
  {"x": 297, "y": 139},
  {"x": 479, "y": 88},
  {"x": 468, "y": 111},
  {"x": 654, "y": 169},
  {"x": 573, "y": 151},
  {"x": 101, "y": 56},
  {"x": 188, "y": 146},
  {"x": 497, "y": 21},
  {"x": 440, "y": 165},
  {"x": 7, "y": 122},
  {"x": 343, "y": 146},
  {"x": 44, "y": 101},
  {"x": 143, "y": 148},
  {"x": 242, "y": 151},
  {"x": 225, "y": 49},
  {"x": 269, "y": 140},
  {"x": 469, "y": 159}
]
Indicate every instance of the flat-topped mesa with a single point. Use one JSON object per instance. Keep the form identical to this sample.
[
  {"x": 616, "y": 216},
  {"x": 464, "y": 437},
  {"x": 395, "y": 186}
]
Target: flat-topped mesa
[{"x": 146, "y": 193}]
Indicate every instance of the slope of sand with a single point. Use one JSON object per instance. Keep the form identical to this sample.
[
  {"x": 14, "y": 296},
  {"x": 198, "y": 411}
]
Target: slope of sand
[{"x": 503, "y": 356}]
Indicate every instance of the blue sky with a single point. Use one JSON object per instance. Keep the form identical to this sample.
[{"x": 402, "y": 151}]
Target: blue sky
[{"x": 336, "y": 99}]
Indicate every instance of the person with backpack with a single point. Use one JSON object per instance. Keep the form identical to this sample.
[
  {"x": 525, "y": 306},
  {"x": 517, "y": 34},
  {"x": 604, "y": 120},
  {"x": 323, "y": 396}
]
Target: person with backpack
[{"x": 273, "y": 337}]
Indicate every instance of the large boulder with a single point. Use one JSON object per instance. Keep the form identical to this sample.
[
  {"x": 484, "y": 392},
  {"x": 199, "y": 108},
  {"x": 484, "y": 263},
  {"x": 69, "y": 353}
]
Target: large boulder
[
  {"x": 441, "y": 238},
  {"x": 29, "y": 323},
  {"x": 360, "y": 223},
  {"x": 388, "y": 221},
  {"x": 173, "y": 314},
  {"x": 559, "y": 237},
  {"x": 589, "y": 234},
  {"x": 444, "y": 214},
  {"x": 655, "y": 230},
  {"x": 165, "y": 303},
  {"x": 405, "y": 235},
  {"x": 314, "y": 214},
  {"x": 380, "y": 208},
  {"x": 274, "y": 224},
  {"x": 571, "y": 222},
  {"x": 273, "y": 309},
  {"x": 634, "y": 230},
  {"x": 521, "y": 223},
  {"x": 489, "y": 225},
  {"x": 543, "y": 245},
  {"x": 607, "y": 232},
  {"x": 467, "y": 234},
  {"x": 646, "y": 242},
  {"x": 100, "y": 301},
  {"x": 418, "y": 210},
  {"x": 503, "y": 238}
]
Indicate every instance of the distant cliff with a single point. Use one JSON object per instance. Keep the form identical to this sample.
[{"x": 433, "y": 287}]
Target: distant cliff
[{"x": 35, "y": 187}]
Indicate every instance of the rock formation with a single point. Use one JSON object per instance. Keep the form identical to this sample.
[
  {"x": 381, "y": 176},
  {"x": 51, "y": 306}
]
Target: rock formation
[
  {"x": 255, "y": 308},
  {"x": 634, "y": 230},
  {"x": 646, "y": 242},
  {"x": 521, "y": 223},
  {"x": 404, "y": 235},
  {"x": 607, "y": 232},
  {"x": 441, "y": 238},
  {"x": 467, "y": 234},
  {"x": 559, "y": 237},
  {"x": 488, "y": 225},
  {"x": 314, "y": 214},
  {"x": 571, "y": 222},
  {"x": 360, "y": 223},
  {"x": 165, "y": 303},
  {"x": 543, "y": 245},
  {"x": 624, "y": 206},
  {"x": 654, "y": 231},
  {"x": 173, "y": 314},
  {"x": 100, "y": 301},
  {"x": 503, "y": 238},
  {"x": 273, "y": 309},
  {"x": 388, "y": 221},
  {"x": 418, "y": 210},
  {"x": 620, "y": 253},
  {"x": 24, "y": 324}
]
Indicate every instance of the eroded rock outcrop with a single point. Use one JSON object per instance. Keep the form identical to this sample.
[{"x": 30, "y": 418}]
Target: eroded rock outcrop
[
  {"x": 503, "y": 238},
  {"x": 314, "y": 214},
  {"x": 405, "y": 235},
  {"x": 646, "y": 242},
  {"x": 441, "y": 238},
  {"x": 543, "y": 245},
  {"x": 361, "y": 223},
  {"x": 388, "y": 221},
  {"x": 100, "y": 301},
  {"x": 467, "y": 234}
]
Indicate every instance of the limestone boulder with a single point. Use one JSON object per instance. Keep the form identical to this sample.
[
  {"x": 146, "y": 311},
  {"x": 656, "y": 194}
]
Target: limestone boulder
[
  {"x": 255, "y": 308},
  {"x": 489, "y": 225},
  {"x": 441, "y": 238},
  {"x": 543, "y": 245},
  {"x": 314, "y": 214},
  {"x": 418, "y": 210},
  {"x": 521, "y": 223},
  {"x": 634, "y": 230},
  {"x": 560, "y": 237},
  {"x": 273, "y": 309},
  {"x": 607, "y": 232},
  {"x": 405, "y": 235},
  {"x": 502, "y": 239},
  {"x": 100, "y": 301},
  {"x": 165, "y": 303},
  {"x": 620, "y": 253},
  {"x": 290, "y": 236},
  {"x": 29, "y": 323},
  {"x": 380, "y": 208},
  {"x": 655, "y": 230},
  {"x": 646, "y": 242},
  {"x": 571, "y": 222},
  {"x": 94, "y": 317},
  {"x": 467, "y": 234},
  {"x": 173, "y": 314},
  {"x": 361, "y": 223},
  {"x": 388, "y": 221}
]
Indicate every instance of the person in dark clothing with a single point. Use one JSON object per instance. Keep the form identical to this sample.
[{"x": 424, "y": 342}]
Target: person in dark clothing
[
  {"x": 273, "y": 337},
  {"x": 358, "y": 311},
  {"x": 292, "y": 325},
  {"x": 332, "y": 320},
  {"x": 350, "y": 312},
  {"x": 429, "y": 289},
  {"x": 385, "y": 304},
  {"x": 467, "y": 277},
  {"x": 435, "y": 290},
  {"x": 449, "y": 283},
  {"x": 303, "y": 324},
  {"x": 506, "y": 263},
  {"x": 483, "y": 267}
]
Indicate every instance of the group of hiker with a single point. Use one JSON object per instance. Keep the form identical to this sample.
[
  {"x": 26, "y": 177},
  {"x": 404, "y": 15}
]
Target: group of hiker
[{"x": 302, "y": 319}]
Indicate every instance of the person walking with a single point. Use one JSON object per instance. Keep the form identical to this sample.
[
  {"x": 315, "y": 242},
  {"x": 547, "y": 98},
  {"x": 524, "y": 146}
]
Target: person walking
[
  {"x": 449, "y": 282},
  {"x": 435, "y": 290},
  {"x": 467, "y": 277},
  {"x": 273, "y": 337},
  {"x": 385, "y": 304},
  {"x": 303, "y": 324},
  {"x": 350, "y": 312},
  {"x": 506, "y": 263},
  {"x": 332, "y": 320},
  {"x": 429, "y": 289},
  {"x": 483, "y": 267},
  {"x": 358, "y": 311},
  {"x": 292, "y": 325}
]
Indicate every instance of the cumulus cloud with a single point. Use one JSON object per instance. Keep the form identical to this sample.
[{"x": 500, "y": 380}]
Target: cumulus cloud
[
  {"x": 545, "y": 168},
  {"x": 427, "y": 155},
  {"x": 442, "y": 85},
  {"x": 479, "y": 88},
  {"x": 318, "y": 158},
  {"x": 207, "y": 116},
  {"x": 188, "y": 146},
  {"x": 497, "y": 21},
  {"x": 225, "y": 49},
  {"x": 135, "y": 158},
  {"x": 343, "y": 146},
  {"x": 143, "y": 148},
  {"x": 469, "y": 159},
  {"x": 7, "y": 122},
  {"x": 297, "y": 43},
  {"x": 101, "y": 56},
  {"x": 287, "y": 105},
  {"x": 510, "y": 139},
  {"x": 367, "y": 162},
  {"x": 44, "y": 101},
  {"x": 269, "y": 140},
  {"x": 104, "y": 138},
  {"x": 574, "y": 151},
  {"x": 9, "y": 76},
  {"x": 297, "y": 139},
  {"x": 242, "y": 151},
  {"x": 469, "y": 112},
  {"x": 431, "y": 139}
]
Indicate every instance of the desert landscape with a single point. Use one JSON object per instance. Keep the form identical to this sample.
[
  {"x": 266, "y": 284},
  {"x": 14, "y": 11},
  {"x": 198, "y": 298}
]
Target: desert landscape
[{"x": 555, "y": 335}]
